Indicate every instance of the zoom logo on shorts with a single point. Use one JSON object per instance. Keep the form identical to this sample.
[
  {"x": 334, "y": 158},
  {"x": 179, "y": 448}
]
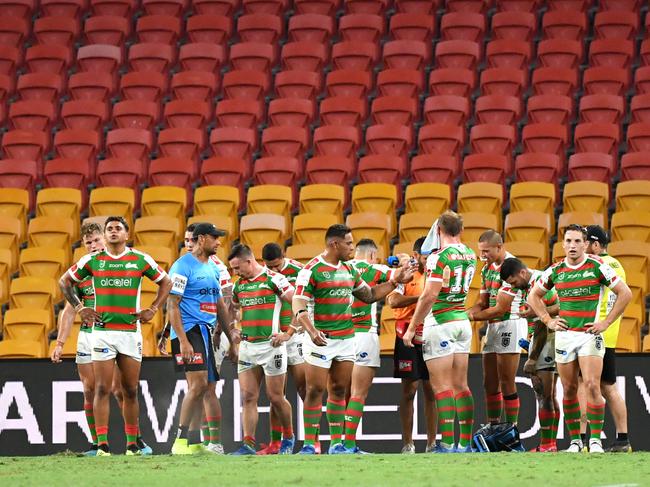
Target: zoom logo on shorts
[
  {"x": 100, "y": 350},
  {"x": 243, "y": 363},
  {"x": 82, "y": 354},
  {"x": 318, "y": 355}
]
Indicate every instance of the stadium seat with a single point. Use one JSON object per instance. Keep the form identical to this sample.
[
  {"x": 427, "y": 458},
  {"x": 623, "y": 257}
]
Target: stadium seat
[
  {"x": 337, "y": 170},
  {"x": 42, "y": 262},
  {"x": 55, "y": 30},
  {"x": 534, "y": 196},
  {"x": 467, "y": 6},
  {"x": 583, "y": 218},
  {"x": 591, "y": 166},
  {"x": 380, "y": 168},
  {"x": 284, "y": 141},
  {"x": 451, "y": 81},
  {"x": 406, "y": 54},
  {"x": 274, "y": 7},
  {"x": 554, "y": 81},
  {"x": 462, "y": 26},
  {"x": 601, "y": 108},
  {"x": 475, "y": 224},
  {"x": 411, "y": 26},
  {"x": 84, "y": 114},
  {"x": 632, "y": 196},
  {"x": 162, "y": 255},
  {"x": 304, "y": 56},
  {"x": 158, "y": 231},
  {"x": 36, "y": 293},
  {"x": 602, "y": 80},
  {"x": 7, "y": 265},
  {"x": 457, "y": 54},
  {"x": 261, "y": 228},
  {"x": 69, "y": 173},
  {"x": 545, "y": 138},
  {"x": 432, "y": 198},
  {"x": 371, "y": 225},
  {"x": 218, "y": 200},
  {"x": 481, "y": 197},
  {"x": 638, "y": 137},
  {"x": 129, "y": 143},
  {"x": 598, "y": 137},
  {"x": 226, "y": 171},
  {"x": 642, "y": 79},
  {"x": 413, "y": 225},
  {"x": 633, "y": 256},
  {"x": 564, "y": 25},
  {"x": 403, "y": 248},
  {"x": 310, "y": 228},
  {"x": 640, "y": 108},
  {"x": 538, "y": 167},
  {"x": 279, "y": 170},
  {"x": 232, "y": 142},
  {"x": 491, "y": 168},
  {"x": 77, "y": 144},
  {"x": 110, "y": 30},
  {"x": 394, "y": 140},
  {"x": 493, "y": 139},
  {"x": 122, "y": 172},
  {"x": 151, "y": 57},
  {"x": 222, "y": 222},
  {"x": 446, "y": 109},
  {"x": 99, "y": 58},
  {"x": 534, "y": 255},
  {"x": 343, "y": 111},
  {"x": 387, "y": 332},
  {"x": 298, "y": 84},
  {"x": 32, "y": 115},
  {"x": 441, "y": 139},
  {"x": 41, "y": 86},
  {"x": 554, "y": 109},
  {"x": 517, "y": 5},
  {"x": 290, "y": 112},
  {"x": 173, "y": 171},
  {"x": 310, "y": 27},
  {"x": 616, "y": 25},
  {"x": 28, "y": 145},
  {"x": 216, "y": 7},
  {"x": 631, "y": 225},
  {"x": 260, "y": 27},
  {"x": 48, "y": 58},
  {"x": 19, "y": 175},
  {"x": 249, "y": 56},
  {"x": 136, "y": 114},
  {"x": 336, "y": 141},
  {"x": 245, "y": 113},
  {"x": 60, "y": 203},
  {"x": 376, "y": 198},
  {"x": 30, "y": 326},
  {"x": 194, "y": 85},
  {"x": 202, "y": 56},
  {"x": 164, "y": 7},
  {"x": 328, "y": 199},
  {"x": 9, "y": 59},
  {"x": 397, "y": 82},
  {"x": 354, "y": 55},
  {"x": 11, "y": 237},
  {"x": 303, "y": 253},
  {"x": 365, "y": 6},
  {"x": 586, "y": 196},
  {"x": 167, "y": 201},
  {"x": 361, "y": 27},
  {"x": 43, "y": 231},
  {"x": 508, "y": 53},
  {"x": 212, "y": 28},
  {"x": 271, "y": 199},
  {"x": 435, "y": 168},
  {"x": 22, "y": 349},
  {"x": 351, "y": 83},
  {"x": 519, "y": 26},
  {"x": 182, "y": 142},
  {"x": 146, "y": 86},
  {"x": 497, "y": 109},
  {"x": 192, "y": 114},
  {"x": 503, "y": 81},
  {"x": 13, "y": 30},
  {"x": 112, "y": 200},
  {"x": 15, "y": 203},
  {"x": 635, "y": 165},
  {"x": 612, "y": 53},
  {"x": 527, "y": 226},
  {"x": 560, "y": 53},
  {"x": 569, "y": 5}
]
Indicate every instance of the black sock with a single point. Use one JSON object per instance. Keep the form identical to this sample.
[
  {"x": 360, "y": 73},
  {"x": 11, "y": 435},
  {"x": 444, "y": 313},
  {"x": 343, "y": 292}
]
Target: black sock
[
  {"x": 584, "y": 437},
  {"x": 182, "y": 432},
  {"x": 133, "y": 448},
  {"x": 510, "y": 397},
  {"x": 103, "y": 447},
  {"x": 621, "y": 436},
  {"x": 194, "y": 437},
  {"x": 94, "y": 446},
  {"x": 140, "y": 442}
]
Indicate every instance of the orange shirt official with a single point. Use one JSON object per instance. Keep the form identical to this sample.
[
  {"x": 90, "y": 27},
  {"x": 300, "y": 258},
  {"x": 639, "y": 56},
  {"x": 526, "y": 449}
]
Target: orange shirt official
[{"x": 403, "y": 315}]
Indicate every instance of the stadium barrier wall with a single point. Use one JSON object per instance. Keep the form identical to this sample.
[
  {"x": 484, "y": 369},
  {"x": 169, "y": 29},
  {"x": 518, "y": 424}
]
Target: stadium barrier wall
[{"x": 41, "y": 408}]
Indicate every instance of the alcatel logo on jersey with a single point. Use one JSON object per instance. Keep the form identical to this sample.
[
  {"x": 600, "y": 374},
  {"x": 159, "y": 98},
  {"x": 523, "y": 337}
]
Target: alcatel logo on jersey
[
  {"x": 116, "y": 282},
  {"x": 341, "y": 292},
  {"x": 252, "y": 301}
]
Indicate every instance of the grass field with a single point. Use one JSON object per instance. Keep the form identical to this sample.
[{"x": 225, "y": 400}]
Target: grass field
[{"x": 542, "y": 470}]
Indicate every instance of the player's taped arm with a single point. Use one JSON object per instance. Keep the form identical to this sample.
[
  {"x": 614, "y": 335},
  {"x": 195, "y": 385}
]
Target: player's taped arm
[
  {"x": 540, "y": 335},
  {"x": 425, "y": 302},
  {"x": 226, "y": 296},
  {"x": 301, "y": 316},
  {"x": 623, "y": 298},
  {"x": 174, "y": 316},
  {"x": 501, "y": 307}
]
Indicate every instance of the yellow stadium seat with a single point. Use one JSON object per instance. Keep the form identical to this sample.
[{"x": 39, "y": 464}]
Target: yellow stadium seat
[
  {"x": 21, "y": 349},
  {"x": 5, "y": 274},
  {"x": 148, "y": 339},
  {"x": 431, "y": 198},
  {"x": 34, "y": 293},
  {"x": 78, "y": 253},
  {"x": 222, "y": 253},
  {"x": 218, "y": 200},
  {"x": 632, "y": 195},
  {"x": 222, "y": 222},
  {"x": 415, "y": 225},
  {"x": 527, "y": 226},
  {"x": 633, "y": 256},
  {"x": 482, "y": 197},
  {"x": 323, "y": 198},
  {"x": 558, "y": 252},
  {"x": 631, "y": 225},
  {"x": 28, "y": 324},
  {"x": 158, "y": 231},
  {"x": 162, "y": 255},
  {"x": 10, "y": 239},
  {"x": 586, "y": 196},
  {"x": 387, "y": 331},
  {"x": 14, "y": 203},
  {"x": 646, "y": 343},
  {"x": 534, "y": 196},
  {"x": 403, "y": 248},
  {"x": 58, "y": 233},
  {"x": 148, "y": 293},
  {"x": 629, "y": 335},
  {"x": 60, "y": 203},
  {"x": 304, "y": 252},
  {"x": 637, "y": 284},
  {"x": 111, "y": 200},
  {"x": 43, "y": 262},
  {"x": 269, "y": 198},
  {"x": 475, "y": 223},
  {"x": 310, "y": 228},
  {"x": 583, "y": 218},
  {"x": 376, "y": 198},
  {"x": 101, "y": 220},
  {"x": 371, "y": 225},
  {"x": 261, "y": 228},
  {"x": 533, "y": 254},
  {"x": 167, "y": 201}
]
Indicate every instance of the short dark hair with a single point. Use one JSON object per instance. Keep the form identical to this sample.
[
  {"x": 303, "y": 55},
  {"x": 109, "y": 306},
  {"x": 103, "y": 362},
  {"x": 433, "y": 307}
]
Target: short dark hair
[
  {"x": 574, "y": 227},
  {"x": 190, "y": 228},
  {"x": 417, "y": 245},
  {"x": 271, "y": 251},
  {"x": 87, "y": 229},
  {"x": 366, "y": 244},
  {"x": 119, "y": 219},
  {"x": 510, "y": 267},
  {"x": 240, "y": 251},
  {"x": 337, "y": 230},
  {"x": 492, "y": 237},
  {"x": 451, "y": 223}
]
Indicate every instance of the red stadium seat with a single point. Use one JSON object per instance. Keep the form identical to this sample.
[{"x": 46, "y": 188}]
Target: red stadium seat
[
  {"x": 394, "y": 140},
  {"x": 597, "y": 137},
  {"x": 99, "y": 58},
  {"x": 538, "y": 167},
  {"x": 56, "y": 30},
  {"x": 612, "y": 53},
  {"x": 40, "y": 86},
  {"x": 343, "y": 111},
  {"x": 517, "y": 5},
  {"x": 211, "y": 28},
  {"x": 562, "y": 24},
  {"x": 216, "y": 7},
  {"x": 462, "y": 26},
  {"x": 458, "y": 54},
  {"x": 304, "y": 56},
  {"x": 69, "y": 173},
  {"x": 606, "y": 81},
  {"x": 252, "y": 56},
  {"x": 354, "y": 55},
  {"x": 547, "y": 138},
  {"x": 560, "y": 53},
  {"x": 32, "y": 115},
  {"x": 640, "y": 108},
  {"x": 274, "y": 7},
  {"x": 441, "y": 139},
  {"x": 394, "y": 110},
  {"x": 291, "y": 111},
  {"x": 508, "y": 53},
  {"x": 9, "y": 59},
  {"x": 616, "y": 24},
  {"x": 21, "y": 174},
  {"x": 48, "y": 58},
  {"x": 446, "y": 109},
  {"x": 298, "y": 84},
  {"x": 503, "y": 81},
  {"x": 260, "y": 27},
  {"x": 365, "y": 6},
  {"x": 520, "y": 26},
  {"x": 84, "y": 114},
  {"x": 171, "y": 171},
  {"x": 376, "y": 168},
  {"x": 638, "y": 137},
  {"x": 63, "y": 8},
  {"x": 165, "y": 29},
  {"x": 399, "y": 82},
  {"x": 202, "y": 56},
  {"x": 406, "y": 55},
  {"x": 644, "y": 52},
  {"x": 136, "y": 114},
  {"x": 311, "y": 28},
  {"x": 111, "y": 30},
  {"x": 285, "y": 171},
  {"x": 601, "y": 108},
  {"x": 129, "y": 143},
  {"x": 554, "y": 81},
  {"x": 187, "y": 114},
  {"x": 18, "y": 8},
  {"x": 194, "y": 85},
  {"x": 493, "y": 139},
  {"x": 412, "y": 27},
  {"x": 91, "y": 86},
  {"x": 224, "y": 171},
  {"x": 591, "y": 166},
  {"x": 144, "y": 86},
  {"x": 251, "y": 85},
  {"x": 77, "y": 144},
  {"x": 635, "y": 166},
  {"x": 120, "y": 8},
  {"x": 330, "y": 170},
  {"x": 642, "y": 79},
  {"x": 181, "y": 142},
  {"x": 630, "y": 5},
  {"x": 25, "y": 144},
  {"x": 422, "y": 7},
  {"x": 322, "y": 7},
  {"x": 434, "y": 168},
  {"x": 151, "y": 57},
  {"x": 569, "y": 5},
  {"x": 236, "y": 143},
  {"x": 497, "y": 109},
  {"x": 239, "y": 113},
  {"x": 452, "y": 81},
  {"x": 164, "y": 7},
  {"x": 336, "y": 141},
  {"x": 285, "y": 141},
  {"x": 475, "y": 6},
  {"x": 555, "y": 109},
  {"x": 361, "y": 27},
  {"x": 487, "y": 168}
]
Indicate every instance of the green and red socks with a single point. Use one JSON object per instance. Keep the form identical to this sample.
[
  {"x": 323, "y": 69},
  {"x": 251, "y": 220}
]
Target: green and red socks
[
  {"x": 205, "y": 432},
  {"x": 249, "y": 441},
  {"x": 494, "y": 407},
  {"x": 311, "y": 419},
  {"x": 214, "y": 425},
  {"x": 102, "y": 437},
  {"x": 90, "y": 418},
  {"x": 465, "y": 413},
  {"x": 131, "y": 432},
  {"x": 336, "y": 420},
  {"x": 546, "y": 420},
  {"x": 352, "y": 419},
  {"x": 556, "y": 422},
  {"x": 276, "y": 433},
  {"x": 596, "y": 417},
  {"x": 511, "y": 403},
  {"x": 572, "y": 417},
  {"x": 287, "y": 432},
  {"x": 446, "y": 412}
]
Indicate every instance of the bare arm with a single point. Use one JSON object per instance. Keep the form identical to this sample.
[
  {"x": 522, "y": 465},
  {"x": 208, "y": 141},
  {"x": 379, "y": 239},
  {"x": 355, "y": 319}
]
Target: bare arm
[
  {"x": 501, "y": 307},
  {"x": 299, "y": 307},
  {"x": 226, "y": 323},
  {"x": 397, "y": 300},
  {"x": 67, "y": 286},
  {"x": 369, "y": 294},
  {"x": 482, "y": 303},
  {"x": 66, "y": 320},
  {"x": 540, "y": 336},
  {"x": 536, "y": 302},
  {"x": 425, "y": 302}
]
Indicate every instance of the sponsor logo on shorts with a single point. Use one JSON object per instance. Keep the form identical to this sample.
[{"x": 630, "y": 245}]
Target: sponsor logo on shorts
[
  {"x": 139, "y": 348},
  {"x": 405, "y": 365},
  {"x": 548, "y": 359},
  {"x": 318, "y": 355},
  {"x": 505, "y": 338},
  {"x": 599, "y": 342},
  {"x": 245, "y": 364},
  {"x": 444, "y": 344},
  {"x": 197, "y": 359},
  {"x": 278, "y": 361},
  {"x": 363, "y": 354},
  {"x": 560, "y": 352},
  {"x": 82, "y": 354},
  {"x": 100, "y": 350},
  {"x": 300, "y": 349}
]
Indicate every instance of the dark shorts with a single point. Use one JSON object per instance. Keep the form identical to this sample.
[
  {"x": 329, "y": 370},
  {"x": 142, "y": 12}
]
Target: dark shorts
[
  {"x": 408, "y": 362},
  {"x": 200, "y": 338},
  {"x": 609, "y": 367}
]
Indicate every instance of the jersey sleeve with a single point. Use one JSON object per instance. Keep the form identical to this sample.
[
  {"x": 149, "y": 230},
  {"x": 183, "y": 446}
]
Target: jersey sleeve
[
  {"x": 550, "y": 298},
  {"x": 357, "y": 279},
  {"x": 152, "y": 270},
  {"x": 435, "y": 268},
  {"x": 484, "y": 289},
  {"x": 607, "y": 275},
  {"x": 545, "y": 281},
  {"x": 506, "y": 289},
  {"x": 305, "y": 284},
  {"x": 179, "y": 274},
  {"x": 281, "y": 284},
  {"x": 81, "y": 270},
  {"x": 235, "y": 293}
]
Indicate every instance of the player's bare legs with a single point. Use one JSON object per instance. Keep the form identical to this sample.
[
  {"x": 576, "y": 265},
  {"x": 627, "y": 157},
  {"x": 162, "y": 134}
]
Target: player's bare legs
[
  {"x": 275, "y": 386},
  {"x": 591, "y": 368},
  {"x": 130, "y": 375},
  {"x": 549, "y": 410},
  {"x": 212, "y": 412},
  {"x": 464, "y": 401},
  {"x": 492, "y": 386},
  {"x": 337, "y": 384},
  {"x": 430, "y": 413},
  {"x": 507, "y": 364},
  {"x": 315, "y": 385},
  {"x": 406, "y": 407},
  {"x": 569, "y": 376},
  {"x": 197, "y": 385},
  {"x": 249, "y": 385},
  {"x": 361, "y": 382},
  {"x": 87, "y": 377},
  {"x": 103, "y": 372},
  {"x": 616, "y": 406},
  {"x": 440, "y": 376}
]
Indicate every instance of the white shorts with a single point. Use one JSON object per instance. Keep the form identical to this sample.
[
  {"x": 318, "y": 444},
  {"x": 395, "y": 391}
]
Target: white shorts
[
  {"x": 335, "y": 349},
  {"x": 546, "y": 359},
  {"x": 273, "y": 360},
  {"x": 107, "y": 344},
  {"x": 294, "y": 350},
  {"x": 446, "y": 339},
  {"x": 366, "y": 345},
  {"x": 504, "y": 336},
  {"x": 84, "y": 348},
  {"x": 222, "y": 352},
  {"x": 569, "y": 345}
]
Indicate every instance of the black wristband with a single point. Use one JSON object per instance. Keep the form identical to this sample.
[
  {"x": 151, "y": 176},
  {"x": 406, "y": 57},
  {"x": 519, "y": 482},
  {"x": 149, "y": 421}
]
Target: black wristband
[{"x": 300, "y": 311}]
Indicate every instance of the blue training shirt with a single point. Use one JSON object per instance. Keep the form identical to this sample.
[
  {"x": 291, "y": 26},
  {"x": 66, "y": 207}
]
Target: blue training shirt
[{"x": 198, "y": 284}]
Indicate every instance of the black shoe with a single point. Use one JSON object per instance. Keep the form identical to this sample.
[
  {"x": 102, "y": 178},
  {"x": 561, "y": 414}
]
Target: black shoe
[{"x": 620, "y": 447}]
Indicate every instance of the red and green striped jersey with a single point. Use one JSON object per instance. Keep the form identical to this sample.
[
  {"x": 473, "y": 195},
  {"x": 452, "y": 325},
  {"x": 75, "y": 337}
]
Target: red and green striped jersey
[
  {"x": 225, "y": 279},
  {"x": 290, "y": 271},
  {"x": 364, "y": 315},
  {"x": 259, "y": 299},
  {"x": 580, "y": 289},
  {"x": 116, "y": 280},
  {"x": 328, "y": 289},
  {"x": 492, "y": 284},
  {"x": 454, "y": 266},
  {"x": 549, "y": 299},
  {"x": 86, "y": 292}
]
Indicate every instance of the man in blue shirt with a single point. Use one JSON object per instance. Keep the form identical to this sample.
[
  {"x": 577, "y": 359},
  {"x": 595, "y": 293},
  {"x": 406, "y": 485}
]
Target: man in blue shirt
[{"x": 193, "y": 301}]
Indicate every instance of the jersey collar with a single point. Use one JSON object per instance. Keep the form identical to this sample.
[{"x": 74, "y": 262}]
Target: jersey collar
[
  {"x": 337, "y": 266},
  {"x": 577, "y": 266},
  {"x": 126, "y": 251}
]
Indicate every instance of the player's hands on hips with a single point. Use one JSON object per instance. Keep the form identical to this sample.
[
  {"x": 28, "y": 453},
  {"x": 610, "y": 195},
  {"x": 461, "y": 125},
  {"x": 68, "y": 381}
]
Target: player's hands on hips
[
  {"x": 318, "y": 337},
  {"x": 235, "y": 336},
  {"x": 279, "y": 338},
  {"x": 89, "y": 316},
  {"x": 56, "y": 353},
  {"x": 162, "y": 345},
  {"x": 187, "y": 352},
  {"x": 557, "y": 324},
  {"x": 408, "y": 337},
  {"x": 530, "y": 367},
  {"x": 596, "y": 327},
  {"x": 145, "y": 315}
]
